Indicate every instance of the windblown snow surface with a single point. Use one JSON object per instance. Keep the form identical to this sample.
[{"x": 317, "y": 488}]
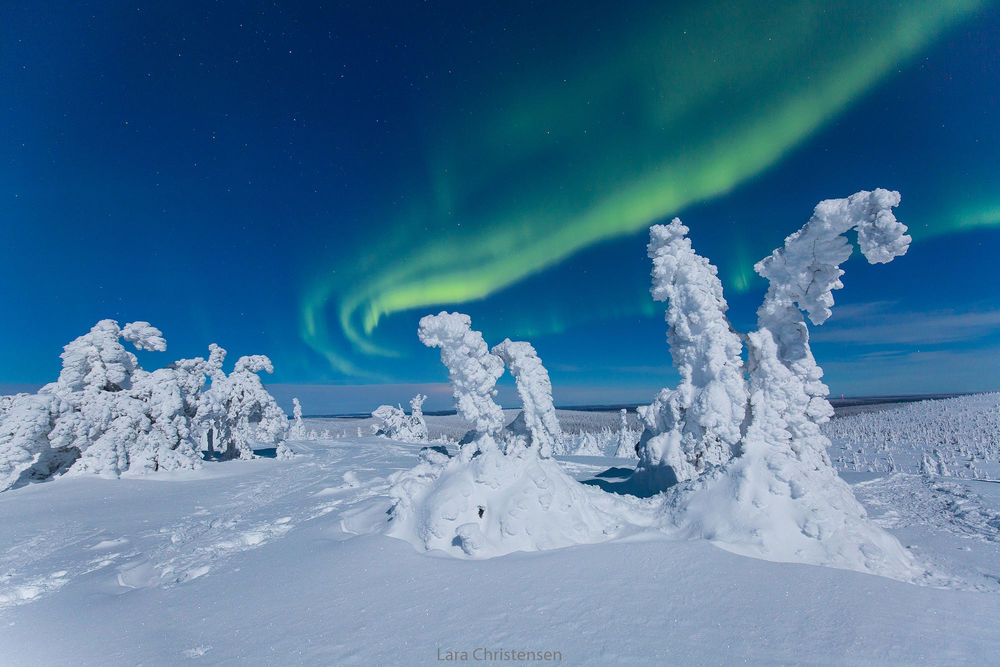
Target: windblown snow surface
[{"x": 287, "y": 562}]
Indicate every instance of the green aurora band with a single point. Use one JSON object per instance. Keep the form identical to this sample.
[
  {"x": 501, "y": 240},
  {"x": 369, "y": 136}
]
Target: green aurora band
[{"x": 637, "y": 127}]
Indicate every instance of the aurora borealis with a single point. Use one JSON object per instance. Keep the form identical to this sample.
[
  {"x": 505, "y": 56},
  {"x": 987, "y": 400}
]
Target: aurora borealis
[{"x": 307, "y": 181}]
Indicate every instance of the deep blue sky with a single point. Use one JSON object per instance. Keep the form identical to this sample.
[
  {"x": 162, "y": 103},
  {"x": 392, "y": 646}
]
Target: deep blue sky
[{"x": 306, "y": 181}]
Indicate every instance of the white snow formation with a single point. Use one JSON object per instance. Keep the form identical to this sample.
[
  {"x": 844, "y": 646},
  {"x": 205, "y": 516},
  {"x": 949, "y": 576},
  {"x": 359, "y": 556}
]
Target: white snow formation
[
  {"x": 473, "y": 372},
  {"x": 698, "y": 424},
  {"x": 395, "y": 424},
  {"x": 535, "y": 391},
  {"x": 107, "y": 416}
]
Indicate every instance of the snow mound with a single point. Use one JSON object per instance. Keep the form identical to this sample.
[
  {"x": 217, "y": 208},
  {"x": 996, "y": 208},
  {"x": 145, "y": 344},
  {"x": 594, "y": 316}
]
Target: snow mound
[
  {"x": 497, "y": 504},
  {"x": 778, "y": 508}
]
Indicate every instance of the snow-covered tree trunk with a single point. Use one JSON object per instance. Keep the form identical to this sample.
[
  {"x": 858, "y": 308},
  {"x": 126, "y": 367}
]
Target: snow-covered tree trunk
[
  {"x": 699, "y": 423},
  {"x": 473, "y": 372},
  {"x": 535, "y": 391}
]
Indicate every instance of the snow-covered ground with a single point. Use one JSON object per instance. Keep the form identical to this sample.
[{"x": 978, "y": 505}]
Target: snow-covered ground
[{"x": 285, "y": 562}]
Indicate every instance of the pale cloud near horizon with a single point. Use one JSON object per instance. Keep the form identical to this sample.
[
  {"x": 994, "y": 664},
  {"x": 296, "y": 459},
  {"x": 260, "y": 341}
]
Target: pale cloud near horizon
[{"x": 874, "y": 324}]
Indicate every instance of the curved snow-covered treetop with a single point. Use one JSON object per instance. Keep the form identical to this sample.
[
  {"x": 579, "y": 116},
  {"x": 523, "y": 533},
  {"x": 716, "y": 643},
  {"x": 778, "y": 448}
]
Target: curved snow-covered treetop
[
  {"x": 535, "y": 391},
  {"x": 472, "y": 369}
]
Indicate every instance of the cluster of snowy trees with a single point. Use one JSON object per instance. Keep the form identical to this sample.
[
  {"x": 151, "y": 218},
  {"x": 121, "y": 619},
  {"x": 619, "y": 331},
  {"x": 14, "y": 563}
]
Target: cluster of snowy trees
[
  {"x": 779, "y": 396},
  {"x": 105, "y": 415},
  {"x": 474, "y": 370},
  {"x": 958, "y": 437},
  {"x": 395, "y": 424},
  {"x": 736, "y": 445}
]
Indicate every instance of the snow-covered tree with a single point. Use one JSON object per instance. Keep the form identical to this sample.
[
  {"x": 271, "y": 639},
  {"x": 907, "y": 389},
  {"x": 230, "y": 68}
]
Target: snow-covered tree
[
  {"x": 535, "y": 391},
  {"x": 298, "y": 428},
  {"x": 473, "y": 372},
  {"x": 486, "y": 501},
  {"x": 25, "y": 426},
  {"x": 625, "y": 448},
  {"x": 699, "y": 423},
  {"x": 781, "y": 497},
  {"x": 97, "y": 361},
  {"x": 395, "y": 424},
  {"x": 418, "y": 425},
  {"x": 241, "y": 410},
  {"x": 145, "y": 428},
  {"x": 803, "y": 274}
]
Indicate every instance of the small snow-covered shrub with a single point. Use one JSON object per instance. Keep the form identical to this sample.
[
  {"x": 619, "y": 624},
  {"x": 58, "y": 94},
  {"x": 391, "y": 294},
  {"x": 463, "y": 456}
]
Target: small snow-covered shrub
[{"x": 395, "y": 424}]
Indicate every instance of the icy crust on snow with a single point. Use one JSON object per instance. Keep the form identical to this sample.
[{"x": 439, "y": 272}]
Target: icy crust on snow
[{"x": 497, "y": 504}]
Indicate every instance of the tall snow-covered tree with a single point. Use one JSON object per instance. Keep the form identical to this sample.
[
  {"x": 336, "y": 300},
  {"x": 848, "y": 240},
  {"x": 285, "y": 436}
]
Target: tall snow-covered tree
[
  {"x": 699, "y": 423},
  {"x": 418, "y": 425},
  {"x": 535, "y": 391},
  {"x": 803, "y": 274},
  {"x": 473, "y": 372}
]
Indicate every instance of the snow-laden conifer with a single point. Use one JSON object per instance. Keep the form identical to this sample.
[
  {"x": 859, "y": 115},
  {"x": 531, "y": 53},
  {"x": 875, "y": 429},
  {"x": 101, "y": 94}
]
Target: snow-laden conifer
[
  {"x": 803, "y": 274},
  {"x": 473, "y": 372},
  {"x": 298, "y": 429},
  {"x": 487, "y": 501},
  {"x": 780, "y": 498},
  {"x": 535, "y": 391},
  {"x": 25, "y": 425},
  {"x": 625, "y": 448},
  {"x": 698, "y": 424}
]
